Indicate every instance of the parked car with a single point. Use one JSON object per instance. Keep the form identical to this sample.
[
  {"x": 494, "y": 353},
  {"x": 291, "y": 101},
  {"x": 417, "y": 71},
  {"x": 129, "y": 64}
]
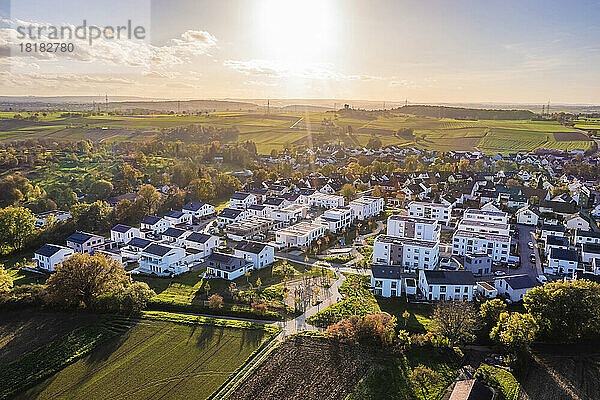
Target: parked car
[
  {"x": 542, "y": 279},
  {"x": 530, "y": 244},
  {"x": 532, "y": 258},
  {"x": 499, "y": 273}
]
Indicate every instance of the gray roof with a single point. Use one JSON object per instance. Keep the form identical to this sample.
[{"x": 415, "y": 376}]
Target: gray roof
[
  {"x": 591, "y": 248},
  {"x": 194, "y": 205},
  {"x": 174, "y": 214},
  {"x": 251, "y": 247},
  {"x": 562, "y": 254},
  {"x": 239, "y": 196},
  {"x": 80, "y": 237},
  {"x": 584, "y": 233},
  {"x": 150, "y": 220},
  {"x": 230, "y": 213},
  {"x": 557, "y": 240},
  {"x": 388, "y": 272},
  {"x": 139, "y": 242},
  {"x": 174, "y": 232},
  {"x": 157, "y": 249},
  {"x": 198, "y": 237},
  {"x": 519, "y": 281},
  {"x": 121, "y": 228},
  {"x": 449, "y": 277},
  {"x": 49, "y": 250}
]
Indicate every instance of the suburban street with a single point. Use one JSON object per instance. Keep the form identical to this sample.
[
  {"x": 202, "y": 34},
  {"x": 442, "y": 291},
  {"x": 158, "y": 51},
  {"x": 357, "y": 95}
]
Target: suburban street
[{"x": 526, "y": 267}]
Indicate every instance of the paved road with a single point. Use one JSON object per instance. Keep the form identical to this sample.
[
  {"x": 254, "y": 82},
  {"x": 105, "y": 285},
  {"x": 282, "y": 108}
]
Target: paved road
[{"x": 527, "y": 267}]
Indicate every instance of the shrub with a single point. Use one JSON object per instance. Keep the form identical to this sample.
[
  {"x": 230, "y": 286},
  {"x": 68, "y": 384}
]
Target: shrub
[
  {"x": 375, "y": 329},
  {"x": 259, "y": 308},
  {"x": 215, "y": 301}
]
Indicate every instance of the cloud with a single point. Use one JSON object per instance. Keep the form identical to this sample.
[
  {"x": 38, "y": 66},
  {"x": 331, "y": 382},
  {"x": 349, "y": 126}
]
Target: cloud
[
  {"x": 276, "y": 70},
  {"x": 114, "y": 52}
]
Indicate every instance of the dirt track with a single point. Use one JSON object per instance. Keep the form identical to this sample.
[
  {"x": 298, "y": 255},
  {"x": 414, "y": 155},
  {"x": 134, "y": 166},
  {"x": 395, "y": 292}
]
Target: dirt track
[{"x": 308, "y": 368}]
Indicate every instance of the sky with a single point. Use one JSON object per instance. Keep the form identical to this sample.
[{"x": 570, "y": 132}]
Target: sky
[{"x": 422, "y": 51}]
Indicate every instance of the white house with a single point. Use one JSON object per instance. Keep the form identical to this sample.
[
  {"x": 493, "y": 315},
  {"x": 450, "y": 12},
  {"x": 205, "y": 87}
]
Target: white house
[
  {"x": 322, "y": 200},
  {"x": 336, "y": 219},
  {"x": 275, "y": 203},
  {"x": 301, "y": 234},
  {"x": 175, "y": 236},
  {"x": 226, "y": 266},
  {"x": 561, "y": 261},
  {"x": 154, "y": 225},
  {"x": 560, "y": 242},
  {"x": 241, "y": 200},
  {"x": 178, "y": 218},
  {"x": 439, "y": 212},
  {"x": 467, "y": 242},
  {"x": 514, "y": 286},
  {"x": 486, "y": 290},
  {"x": 258, "y": 254},
  {"x": 554, "y": 230},
  {"x": 290, "y": 214},
  {"x": 582, "y": 236},
  {"x": 161, "y": 259},
  {"x": 85, "y": 243},
  {"x": 577, "y": 221},
  {"x": 304, "y": 194},
  {"x": 387, "y": 281},
  {"x": 124, "y": 233},
  {"x": 528, "y": 216},
  {"x": 201, "y": 244},
  {"x": 198, "y": 209},
  {"x": 49, "y": 256},
  {"x": 408, "y": 253},
  {"x": 447, "y": 285},
  {"x": 45, "y": 218},
  {"x": 132, "y": 250},
  {"x": 589, "y": 251},
  {"x": 230, "y": 215},
  {"x": 478, "y": 264},
  {"x": 366, "y": 207},
  {"x": 498, "y": 217},
  {"x": 258, "y": 210},
  {"x": 413, "y": 227}
]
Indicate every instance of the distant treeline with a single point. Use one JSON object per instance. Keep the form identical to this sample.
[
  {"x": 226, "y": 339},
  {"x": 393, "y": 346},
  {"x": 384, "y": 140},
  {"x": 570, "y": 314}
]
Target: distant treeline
[{"x": 464, "y": 113}]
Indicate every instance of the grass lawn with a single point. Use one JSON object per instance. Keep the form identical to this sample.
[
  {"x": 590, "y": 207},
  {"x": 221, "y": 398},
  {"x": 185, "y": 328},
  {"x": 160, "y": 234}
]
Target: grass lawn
[
  {"x": 502, "y": 379},
  {"x": 358, "y": 300},
  {"x": 392, "y": 380},
  {"x": 420, "y": 314},
  {"x": 158, "y": 358}
]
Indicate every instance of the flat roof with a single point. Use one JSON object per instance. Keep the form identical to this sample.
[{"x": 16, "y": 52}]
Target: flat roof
[
  {"x": 405, "y": 241},
  {"x": 408, "y": 218},
  {"x": 301, "y": 228},
  {"x": 482, "y": 235}
]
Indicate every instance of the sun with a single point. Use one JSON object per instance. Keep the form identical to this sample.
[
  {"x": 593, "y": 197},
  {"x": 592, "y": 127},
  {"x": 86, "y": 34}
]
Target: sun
[{"x": 296, "y": 31}]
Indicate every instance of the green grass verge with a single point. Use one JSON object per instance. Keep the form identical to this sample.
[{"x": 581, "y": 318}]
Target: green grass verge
[
  {"x": 392, "y": 379},
  {"x": 358, "y": 300},
  {"x": 502, "y": 379},
  {"x": 47, "y": 360}
]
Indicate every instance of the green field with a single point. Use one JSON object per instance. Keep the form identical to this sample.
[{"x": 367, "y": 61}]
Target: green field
[
  {"x": 156, "y": 359},
  {"x": 278, "y": 131}
]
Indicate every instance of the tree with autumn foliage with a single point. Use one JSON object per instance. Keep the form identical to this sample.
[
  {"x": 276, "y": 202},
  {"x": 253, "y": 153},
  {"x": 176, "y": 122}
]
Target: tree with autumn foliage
[{"x": 375, "y": 329}]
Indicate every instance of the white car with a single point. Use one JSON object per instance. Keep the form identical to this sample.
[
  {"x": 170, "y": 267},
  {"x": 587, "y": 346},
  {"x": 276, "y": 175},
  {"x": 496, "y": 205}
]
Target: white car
[
  {"x": 499, "y": 273},
  {"x": 530, "y": 244},
  {"x": 542, "y": 279}
]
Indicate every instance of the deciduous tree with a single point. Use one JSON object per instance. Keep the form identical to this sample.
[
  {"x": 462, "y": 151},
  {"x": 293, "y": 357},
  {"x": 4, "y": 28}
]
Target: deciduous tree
[{"x": 455, "y": 321}]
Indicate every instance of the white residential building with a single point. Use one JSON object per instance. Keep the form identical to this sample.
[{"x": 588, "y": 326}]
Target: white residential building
[
  {"x": 589, "y": 251},
  {"x": 124, "y": 233},
  {"x": 582, "y": 236},
  {"x": 498, "y": 217},
  {"x": 408, "y": 253},
  {"x": 178, "y": 218},
  {"x": 336, "y": 219},
  {"x": 366, "y": 207},
  {"x": 45, "y": 218},
  {"x": 514, "y": 286},
  {"x": 175, "y": 236},
  {"x": 258, "y": 210},
  {"x": 85, "y": 243},
  {"x": 389, "y": 281},
  {"x": 577, "y": 221},
  {"x": 290, "y": 214},
  {"x": 241, "y": 200},
  {"x": 132, "y": 250},
  {"x": 154, "y": 225},
  {"x": 260, "y": 255},
  {"x": 226, "y": 266},
  {"x": 161, "y": 259},
  {"x": 198, "y": 209},
  {"x": 413, "y": 227},
  {"x": 299, "y": 235},
  {"x": 447, "y": 285},
  {"x": 528, "y": 216},
  {"x": 201, "y": 244},
  {"x": 468, "y": 242},
  {"x": 275, "y": 203},
  {"x": 322, "y": 200},
  {"x": 562, "y": 262},
  {"x": 49, "y": 256},
  {"x": 560, "y": 242},
  {"x": 230, "y": 215},
  {"x": 439, "y": 212}
]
